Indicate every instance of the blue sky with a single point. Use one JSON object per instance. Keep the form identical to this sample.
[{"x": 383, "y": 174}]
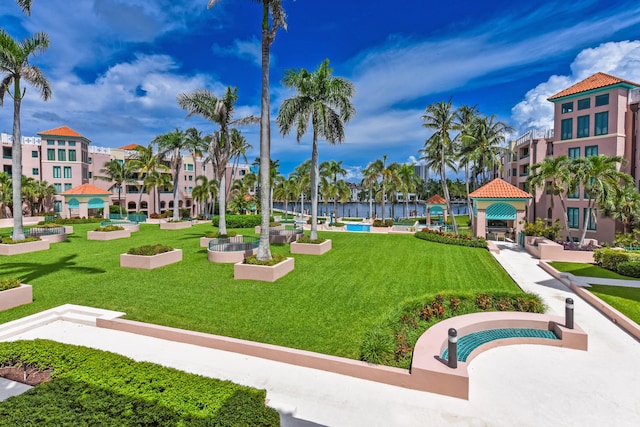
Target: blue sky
[{"x": 116, "y": 66}]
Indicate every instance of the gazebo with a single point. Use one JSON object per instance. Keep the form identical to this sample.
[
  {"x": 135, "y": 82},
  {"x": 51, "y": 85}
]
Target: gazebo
[
  {"x": 503, "y": 204},
  {"x": 436, "y": 205},
  {"x": 80, "y": 199}
]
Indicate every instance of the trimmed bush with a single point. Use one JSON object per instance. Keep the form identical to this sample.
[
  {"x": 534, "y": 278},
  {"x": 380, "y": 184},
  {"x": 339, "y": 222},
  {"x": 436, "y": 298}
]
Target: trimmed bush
[
  {"x": 611, "y": 258},
  {"x": 217, "y": 235},
  {"x": 239, "y": 221},
  {"x": 9, "y": 241},
  {"x": 380, "y": 223},
  {"x": 9, "y": 283},
  {"x": 108, "y": 228},
  {"x": 92, "y": 387},
  {"x": 275, "y": 259},
  {"x": 71, "y": 221},
  {"x": 150, "y": 250},
  {"x": 451, "y": 239},
  {"x": 307, "y": 239},
  {"x": 320, "y": 220},
  {"x": 629, "y": 268}
]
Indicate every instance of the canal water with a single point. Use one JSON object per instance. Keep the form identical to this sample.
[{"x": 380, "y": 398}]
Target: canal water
[{"x": 361, "y": 210}]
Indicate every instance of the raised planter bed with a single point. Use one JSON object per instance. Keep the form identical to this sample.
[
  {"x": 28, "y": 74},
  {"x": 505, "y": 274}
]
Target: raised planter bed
[
  {"x": 310, "y": 248},
  {"x": 204, "y": 241},
  {"x": 15, "y": 297},
  {"x": 145, "y": 262},
  {"x": 108, "y": 235},
  {"x": 263, "y": 273},
  {"x": 55, "y": 238},
  {"x": 23, "y": 248},
  {"x": 545, "y": 249},
  {"x": 175, "y": 225}
]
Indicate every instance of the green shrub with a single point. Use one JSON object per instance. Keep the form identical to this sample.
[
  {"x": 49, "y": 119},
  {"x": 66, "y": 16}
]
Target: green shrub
[
  {"x": 217, "y": 235},
  {"x": 627, "y": 240},
  {"x": 629, "y": 268},
  {"x": 108, "y": 228},
  {"x": 307, "y": 239},
  {"x": 378, "y": 347},
  {"x": 540, "y": 228},
  {"x": 239, "y": 221},
  {"x": 92, "y": 387},
  {"x": 149, "y": 250},
  {"x": 9, "y": 283},
  {"x": 321, "y": 220},
  {"x": 380, "y": 223},
  {"x": 71, "y": 221},
  {"x": 610, "y": 258},
  {"x": 9, "y": 241},
  {"x": 338, "y": 224},
  {"x": 275, "y": 259},
  {"x": 451, "y": 239},
  {"x": 275, "y": 224}
]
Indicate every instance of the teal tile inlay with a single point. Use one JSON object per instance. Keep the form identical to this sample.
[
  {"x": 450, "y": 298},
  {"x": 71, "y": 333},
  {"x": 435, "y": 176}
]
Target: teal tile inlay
[{"x": 470, "y": 342}]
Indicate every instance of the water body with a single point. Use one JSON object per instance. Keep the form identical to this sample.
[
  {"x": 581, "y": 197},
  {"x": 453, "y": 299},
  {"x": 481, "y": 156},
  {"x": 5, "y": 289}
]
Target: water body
[{"x": 361, "y": 210}]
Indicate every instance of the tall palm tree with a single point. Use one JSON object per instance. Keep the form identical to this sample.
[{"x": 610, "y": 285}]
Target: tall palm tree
[
  {"x": 145, "y": 161},
  {"x": 25, "y": 5},
  {"x": 42, "y": 191},
  {"x": 239, "y": 148},
  {"x": 220, "y": 111},
  {"x": 319, "y": 95},
  {"x": 205, "y": 192},
  {"x": 379, "y": 171},
  {"x": 5, "y": 192},
  {"x": 553, "y": 174},
  {"x": 14, "y": 67},
  {"x": 488, "y": 138},
  {"x": 408, "y": 183},
  {"x": 342, "y": 194},
  {"x": 302, "y": 173},
  {"x": 601, "y": 179},
  {"x": 332, "y": 169},
  {"x": 285, "y": 189},
  {"x": 440, "y": 117},
  {"x": 273, "y": 9},
  {"x": 624, "y": 206},
  {"x": 465, "y": 116},
  {"x": 118, "y": 172}
]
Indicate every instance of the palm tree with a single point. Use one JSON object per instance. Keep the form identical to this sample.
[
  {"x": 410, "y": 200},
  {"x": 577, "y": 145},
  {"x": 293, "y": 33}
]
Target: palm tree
[
  {"x": 319, "y": 95},
  {"x": 25, "y": 5},
  {"x": 204, "y": 192},
  {"x": 342, "y": 194},
  {"x": 118, "y": 172},
  {"x": 378, "y": 171},
  {"x": 42, "y": 190},
  {"x": 145, "y": 161},
  {"x": 553, "y": 173},
  {"x": 332, "y": 169},
  {"x": 274, "y": 9},
  {"x": 439, "y": 147},
  {"x": 220, "y": 111},
  {"x": 239, "y": 148},
  {"x": 15, "y": 66},
  {"x": 285, "y": 189},
  {"x": 600, "y": 178},
  {"x": 488, "y": 137},
  {"x": 408, "y": 183},
  {"x": 466, "y": 115},
  {"x": 624, "y": 206},
  {"x": 5, "y": 191},
  {"x": 302, "y": 173}
]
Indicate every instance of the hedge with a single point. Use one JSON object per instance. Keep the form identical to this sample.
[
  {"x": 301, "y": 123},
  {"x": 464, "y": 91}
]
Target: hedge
[
  {"x": 451, "y": 239},
  {"x": 150, "y": 250},
  {"x": 93, "y": 387},
  {"x": 611, "y": 258},
  {"x": 629, "y": 268},
  {"x": 239, "y": 221}
]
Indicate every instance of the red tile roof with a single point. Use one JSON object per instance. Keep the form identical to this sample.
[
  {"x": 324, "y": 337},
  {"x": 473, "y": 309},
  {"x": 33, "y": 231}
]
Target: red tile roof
[
  {"x": 499, "y": 189},
  {"x": 131, "y": 146},
  {"x": 596, "y": 81},
  {"x": 436, "y": 200},
  {"x": 86, "y": 190},
  {"x": 62, "y": 131}
]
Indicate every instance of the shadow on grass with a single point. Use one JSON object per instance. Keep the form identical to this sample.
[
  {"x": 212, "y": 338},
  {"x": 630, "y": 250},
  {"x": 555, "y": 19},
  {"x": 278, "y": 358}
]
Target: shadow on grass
[
  {"x": 631, "y": 294},
  {"x": 28, "y": 271}
]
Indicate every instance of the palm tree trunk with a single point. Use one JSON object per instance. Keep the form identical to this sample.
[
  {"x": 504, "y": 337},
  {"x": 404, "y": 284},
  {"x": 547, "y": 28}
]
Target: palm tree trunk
[
  {"x": 382, "y": 197},
  {"x": 222, "y": 225},
  {"x": 314, "y": 186},
  {"x": 469, "y": 209},
  {"x": 176, "y": 210},
  {"x": 16, "y": 164},
  {"x": 370, "y": 203},
  {"x": 565, "y": 217},
  {"x": 445, "y": 190}
]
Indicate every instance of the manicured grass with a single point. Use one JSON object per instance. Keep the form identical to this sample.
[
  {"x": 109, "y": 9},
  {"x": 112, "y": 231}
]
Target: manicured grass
[
  {"x": 327, "y": 304},
  {"x": 624, "y": 299},
  {"x": 588, "y": 270}
]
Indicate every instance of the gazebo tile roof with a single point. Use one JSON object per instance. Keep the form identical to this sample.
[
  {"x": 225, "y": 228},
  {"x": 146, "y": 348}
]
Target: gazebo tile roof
[
  {"x": 436, "y": 200},
  {"x": 499, "y": 189},
  {"x": 86, "y": 190}
]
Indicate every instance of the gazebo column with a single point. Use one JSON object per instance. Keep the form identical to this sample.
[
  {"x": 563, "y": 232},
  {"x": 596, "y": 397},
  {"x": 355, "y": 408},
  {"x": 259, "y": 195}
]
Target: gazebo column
[
  {"x": 105, "y": 211},
  {"x": 480, "y": 224},
  {"x": 519, "y": 223},
  {"x": 84, "y": 210}
]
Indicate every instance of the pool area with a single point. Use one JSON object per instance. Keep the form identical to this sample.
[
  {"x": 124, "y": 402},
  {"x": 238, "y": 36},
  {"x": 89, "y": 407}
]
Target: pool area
[{"x": 358, "y": 227}]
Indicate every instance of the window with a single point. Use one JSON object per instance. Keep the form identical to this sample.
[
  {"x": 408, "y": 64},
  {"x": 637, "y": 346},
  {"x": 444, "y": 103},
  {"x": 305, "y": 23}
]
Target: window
[
  {"x": 547, "y": 187},
  {"x": 57, "y": 206},
  {"x": 67, "y": 171},
  {"x": 574, "y": 153},
  {"x": 190, "y": 167},
  {"x": 72, "y": 143},
  {"x": 190, "y": 189},
  {"x": 190, "y": 177},
  {"x": 574, "y": 217},
  {"x": 67, "y": 187},
  {"x": 51, "y": 154},
  {"x": 566, "y": 129},
  {"x": 583, "y": 126},
  {"x": 89, "y": 175},
  {"x": 34, "y": 153},
  {"x": 602, "y": 100},
  {"x": 591, "y": 150},
  {"x": 50, "y": 142},
  {"x": 56, "y": 171},
  {"x": 35, "y": 172},
  {"x": 90, "y": 160},
  {"x": 591, "y": 225},
  {"x": 583, "y": 104},
  {"x": 514, "y": 171},
  {"x": 575, "y": 194},
  {"x": 58, "y": 188},
  {"x": 6, "y": 152},
  {"x": 567, "y": 107},
  {"x": 61, "y": 143},
  {"x": 72, "y": 155},
  {"x": 602, "y": 123},
  {"x": 62, "y": 155}
]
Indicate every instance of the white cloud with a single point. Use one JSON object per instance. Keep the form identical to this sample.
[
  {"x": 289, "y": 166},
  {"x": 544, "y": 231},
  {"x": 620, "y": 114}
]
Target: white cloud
[
  {"x": 250, "y": 50},
  {"x": 621, "y": 59}
]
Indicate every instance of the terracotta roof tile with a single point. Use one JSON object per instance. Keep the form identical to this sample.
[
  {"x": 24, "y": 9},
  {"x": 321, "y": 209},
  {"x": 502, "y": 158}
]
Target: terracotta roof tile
[
  {"x": 436, "y": 200},
  {"x": 596, "y": 81},
  {"x": 62, "y": 131},
  {"x": 499, "y": 189},
  {"x": 131, "y": 146},
  {"x": 86, "y": 189}
]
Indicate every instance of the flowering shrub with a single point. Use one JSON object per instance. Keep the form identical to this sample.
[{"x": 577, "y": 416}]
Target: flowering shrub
[{"x": 451, "y": 239}]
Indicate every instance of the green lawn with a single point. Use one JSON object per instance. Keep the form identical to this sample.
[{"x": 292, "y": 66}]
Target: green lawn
[
  {"x": 327, "y": 304},
  {"x": 624, "y": 299},
  {"x": 588, "y": 270}
]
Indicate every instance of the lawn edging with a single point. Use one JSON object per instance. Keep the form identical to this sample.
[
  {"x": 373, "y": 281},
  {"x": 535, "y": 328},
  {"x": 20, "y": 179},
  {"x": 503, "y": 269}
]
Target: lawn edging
[
  {"x": 263, "y": 273},
  {"x": 15, "y": 297},
  {"x": 24, "y": 248},
  {"x": 108, "y": 235},
  {"x": 149, "y": 262},
  {"x": 611, "y": 313},
  {"x": 310, "y": 248}
]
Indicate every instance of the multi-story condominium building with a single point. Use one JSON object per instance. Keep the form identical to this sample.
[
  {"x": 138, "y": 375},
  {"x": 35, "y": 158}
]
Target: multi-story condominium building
[
  {"x": 65, "y": 159},
  {"x": 598, "y": 115}
]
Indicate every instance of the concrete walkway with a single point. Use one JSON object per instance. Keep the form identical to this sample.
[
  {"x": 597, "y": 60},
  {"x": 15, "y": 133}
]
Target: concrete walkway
[{"x": 524, "y": 385}]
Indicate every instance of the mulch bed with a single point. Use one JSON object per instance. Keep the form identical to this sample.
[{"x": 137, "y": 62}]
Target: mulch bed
[{"x": 30, "y": 376}]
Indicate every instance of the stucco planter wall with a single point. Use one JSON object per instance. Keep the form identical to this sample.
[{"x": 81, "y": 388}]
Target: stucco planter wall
[
  {"x": 150, "y": 262},
  {"x": 23, "y": 248},
  {"x": 55, "y": 238},
  {"x": 546, "y": 249},
  {"x": 175, "y": 225},
  {"x": 204, "y": 241},
  {"x": 310, "y": 248},
  {"x": 15, "y": 297},
  {"x": 263, "y": 273},
  {"x": 68, "y": 229},
  {"x": 230, "y": 257},
  {"x": 108, "y": 235}
]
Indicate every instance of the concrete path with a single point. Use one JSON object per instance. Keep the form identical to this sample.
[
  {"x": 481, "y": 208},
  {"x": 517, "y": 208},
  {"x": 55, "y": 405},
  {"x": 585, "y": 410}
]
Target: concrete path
[
  {"x": 524, "y": 385},
  {"x": 10, "y": 388}
]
